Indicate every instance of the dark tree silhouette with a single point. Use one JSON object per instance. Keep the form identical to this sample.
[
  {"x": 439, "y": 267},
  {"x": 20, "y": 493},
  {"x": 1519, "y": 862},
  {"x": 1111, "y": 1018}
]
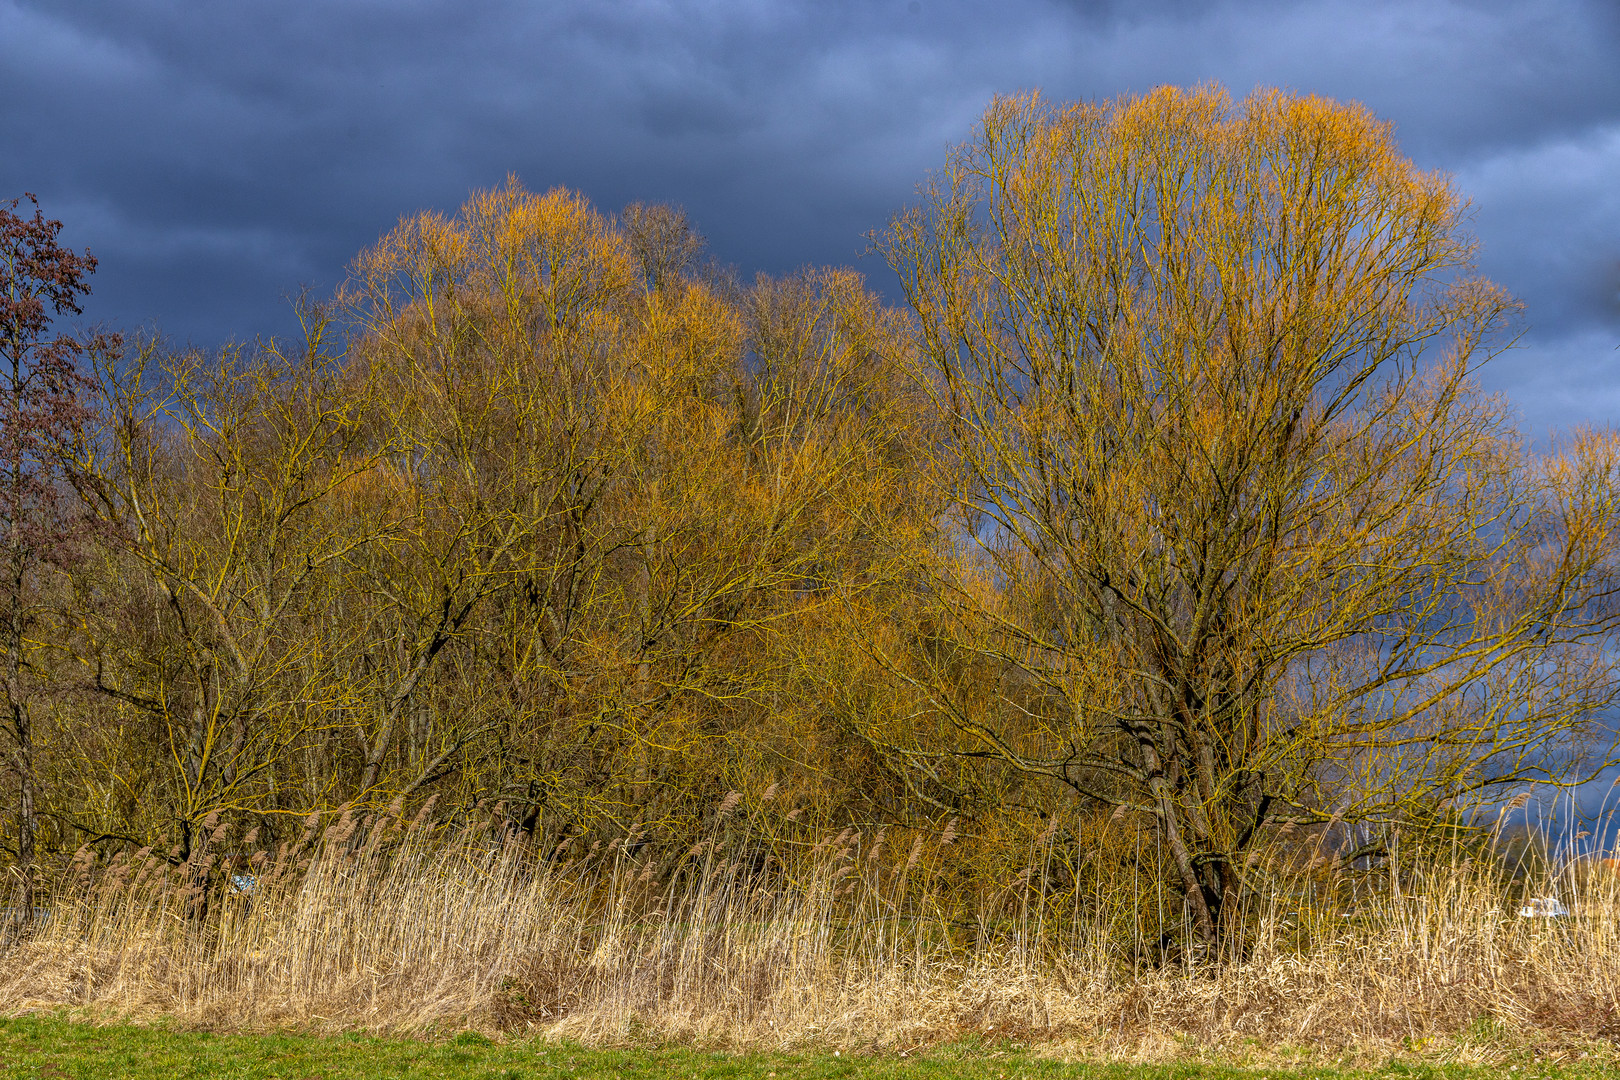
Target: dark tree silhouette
[{"x": 42, "y": 409}]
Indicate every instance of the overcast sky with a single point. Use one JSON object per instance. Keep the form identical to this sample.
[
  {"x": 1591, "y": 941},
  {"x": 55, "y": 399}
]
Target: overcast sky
[{"x": 216, "y": 156}]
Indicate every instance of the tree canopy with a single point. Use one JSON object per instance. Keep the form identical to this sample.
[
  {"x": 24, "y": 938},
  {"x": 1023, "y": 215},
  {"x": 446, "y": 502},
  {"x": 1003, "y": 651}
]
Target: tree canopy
[
  {"x": 1235, "y": 540},
  {"x": 1170, "y": 494}
]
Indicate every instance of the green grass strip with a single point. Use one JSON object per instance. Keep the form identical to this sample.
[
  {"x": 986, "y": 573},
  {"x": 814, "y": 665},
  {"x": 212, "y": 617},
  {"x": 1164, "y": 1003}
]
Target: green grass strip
[{"x": 56, "y": 1048}]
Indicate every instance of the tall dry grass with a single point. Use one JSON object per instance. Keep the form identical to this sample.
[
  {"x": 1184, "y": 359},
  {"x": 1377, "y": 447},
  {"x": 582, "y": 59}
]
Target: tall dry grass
[{"x": 859, "y": 940}]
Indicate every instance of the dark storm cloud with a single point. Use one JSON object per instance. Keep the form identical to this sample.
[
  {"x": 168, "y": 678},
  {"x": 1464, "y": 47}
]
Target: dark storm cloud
[{"x": 216, "y": 156}]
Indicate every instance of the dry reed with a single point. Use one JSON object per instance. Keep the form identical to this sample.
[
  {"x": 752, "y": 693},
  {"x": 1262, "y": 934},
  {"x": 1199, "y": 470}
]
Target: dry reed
[{"x": 857, "y": 941}]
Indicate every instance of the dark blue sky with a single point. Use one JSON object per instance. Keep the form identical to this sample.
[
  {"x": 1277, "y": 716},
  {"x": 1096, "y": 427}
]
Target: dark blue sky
[{"x": 217, "y": 156}]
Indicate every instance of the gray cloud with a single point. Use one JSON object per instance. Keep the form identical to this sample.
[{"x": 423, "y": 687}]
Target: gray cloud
[{"x": 217, "y": 156}]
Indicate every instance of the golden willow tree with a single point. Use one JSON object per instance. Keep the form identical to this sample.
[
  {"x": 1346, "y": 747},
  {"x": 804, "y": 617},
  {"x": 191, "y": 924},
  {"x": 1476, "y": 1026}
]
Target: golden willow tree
[
  {"x": 628, "y": 488},
  {"x": 1236, "y": 542},
  {"x": 535, "y": 518}
]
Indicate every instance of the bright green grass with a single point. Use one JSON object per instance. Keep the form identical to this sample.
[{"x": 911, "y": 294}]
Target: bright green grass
[{"x": 54, "y": 1048}]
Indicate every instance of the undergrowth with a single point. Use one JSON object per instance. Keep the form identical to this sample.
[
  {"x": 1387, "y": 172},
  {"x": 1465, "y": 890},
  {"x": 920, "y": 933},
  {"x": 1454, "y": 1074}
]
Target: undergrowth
[{"x": 865, "y": 940}]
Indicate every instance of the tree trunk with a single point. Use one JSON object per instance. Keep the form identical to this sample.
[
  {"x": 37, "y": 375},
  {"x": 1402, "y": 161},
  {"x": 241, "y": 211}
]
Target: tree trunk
[
  {"x": 27, "y": 812},
  {"x": 1203, "y": 911},
  {"x": 22, "y": 735}
]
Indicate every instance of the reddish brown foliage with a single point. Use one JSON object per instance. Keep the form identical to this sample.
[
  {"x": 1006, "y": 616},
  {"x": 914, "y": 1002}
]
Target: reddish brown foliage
[{"x": 42, "y": 409}]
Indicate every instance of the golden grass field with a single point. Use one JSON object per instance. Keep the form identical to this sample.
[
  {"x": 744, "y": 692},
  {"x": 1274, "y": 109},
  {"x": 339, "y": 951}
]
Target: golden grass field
[{"x": 400, "y": 929}]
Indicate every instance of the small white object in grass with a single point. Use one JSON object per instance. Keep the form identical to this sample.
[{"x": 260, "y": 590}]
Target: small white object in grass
[
  {"x": 838, "y": 1053},
  {"x": 1543, "y": 907}
]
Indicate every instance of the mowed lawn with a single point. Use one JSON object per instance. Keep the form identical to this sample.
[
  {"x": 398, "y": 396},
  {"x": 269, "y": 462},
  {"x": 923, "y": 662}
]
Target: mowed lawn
[{"x": 54, "y": 1048}]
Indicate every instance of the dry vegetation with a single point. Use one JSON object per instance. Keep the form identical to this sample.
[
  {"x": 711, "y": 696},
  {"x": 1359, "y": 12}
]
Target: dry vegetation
[{"x": 858, "y": 941}]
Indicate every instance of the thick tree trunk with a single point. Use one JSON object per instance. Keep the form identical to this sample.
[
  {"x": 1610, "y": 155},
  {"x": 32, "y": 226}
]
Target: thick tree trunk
[{"x": 1205, "y": 913}]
